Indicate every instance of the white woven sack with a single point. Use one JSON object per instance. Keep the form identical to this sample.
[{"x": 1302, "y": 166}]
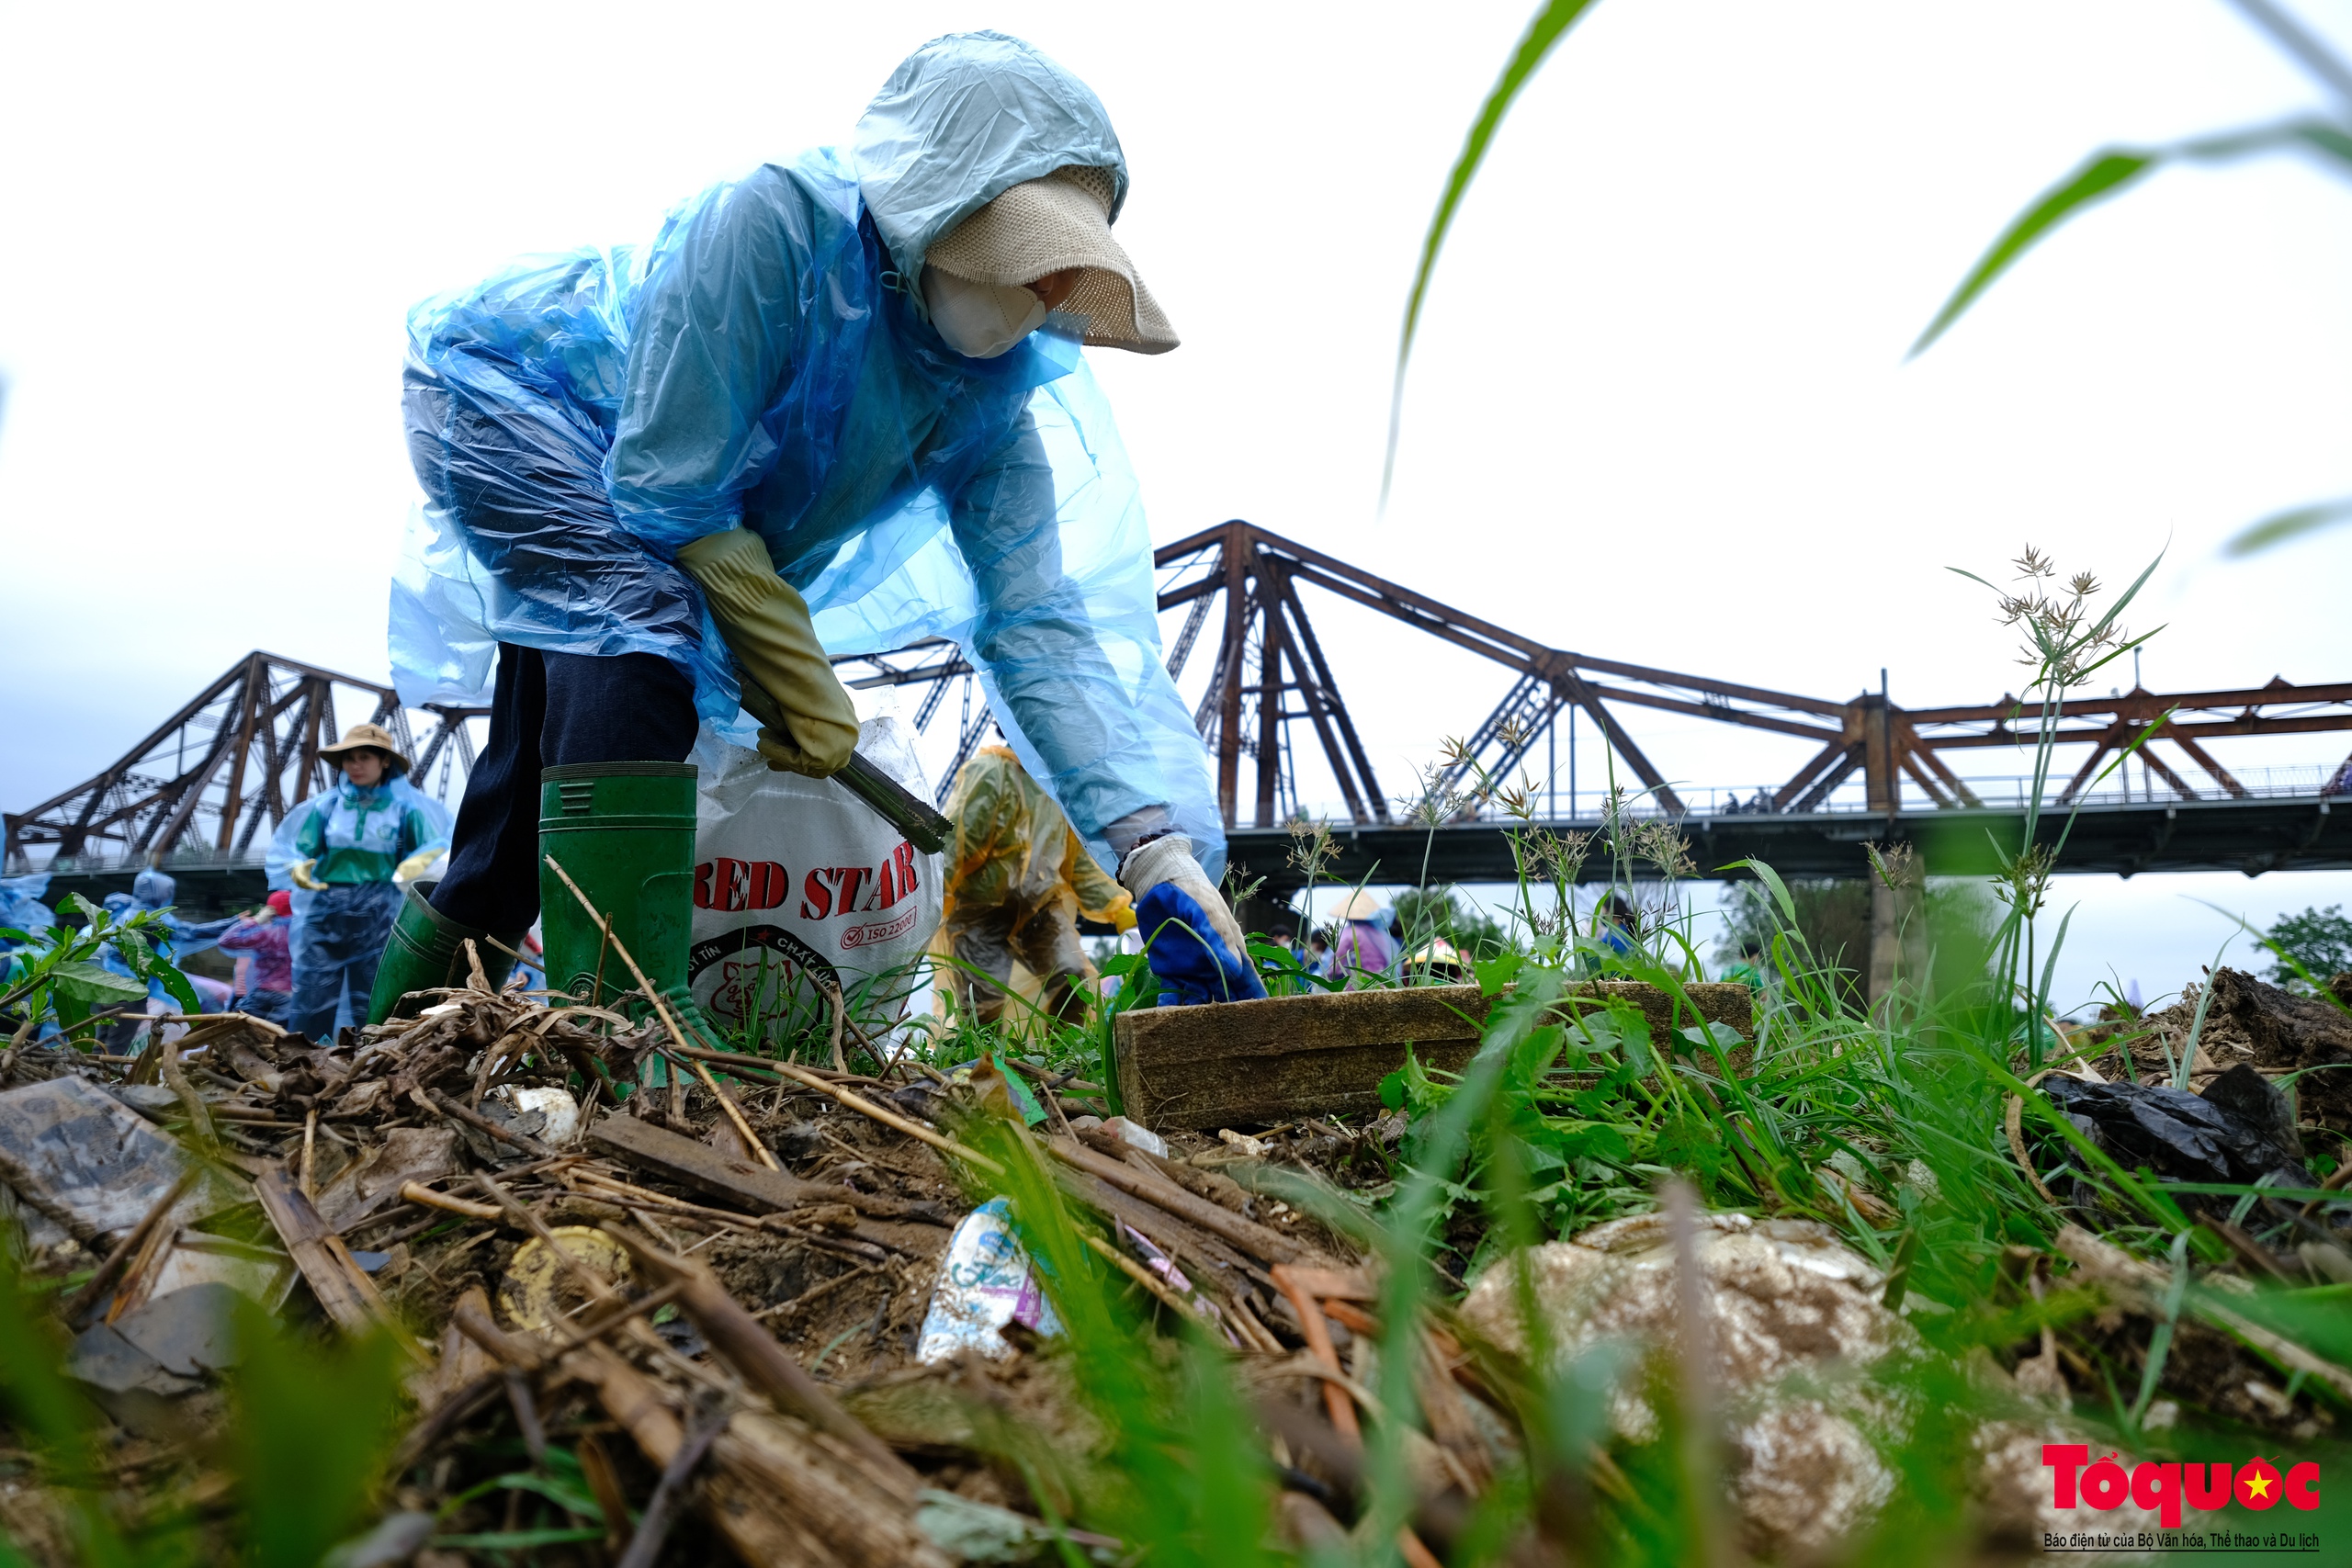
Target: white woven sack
[{"x": 800, "y": 886}]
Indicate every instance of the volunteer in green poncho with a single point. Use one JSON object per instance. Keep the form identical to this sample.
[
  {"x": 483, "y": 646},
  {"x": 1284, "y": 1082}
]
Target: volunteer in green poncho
[{"x": 354, "y": 846}]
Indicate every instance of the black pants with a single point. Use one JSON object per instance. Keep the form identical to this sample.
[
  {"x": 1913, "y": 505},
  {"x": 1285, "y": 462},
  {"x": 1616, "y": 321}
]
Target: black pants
[{"x": 551, "y": 709}]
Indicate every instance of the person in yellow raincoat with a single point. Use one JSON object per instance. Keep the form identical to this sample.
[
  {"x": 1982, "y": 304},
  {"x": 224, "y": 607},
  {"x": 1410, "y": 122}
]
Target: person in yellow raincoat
[{"x": 1018, "y": 879}]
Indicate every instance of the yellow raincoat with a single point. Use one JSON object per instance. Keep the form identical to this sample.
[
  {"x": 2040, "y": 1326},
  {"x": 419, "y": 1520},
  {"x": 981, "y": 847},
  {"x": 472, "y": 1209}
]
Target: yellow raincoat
[{"x": 1018, "y": 877}]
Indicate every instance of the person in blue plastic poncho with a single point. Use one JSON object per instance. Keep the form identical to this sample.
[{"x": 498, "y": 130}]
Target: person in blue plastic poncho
[
  {"x": 154, "y": 892},
  {"x": 835, "y": 406},
  {"x": 348, "y": 850},
  {"x": 21, "y": 909}
]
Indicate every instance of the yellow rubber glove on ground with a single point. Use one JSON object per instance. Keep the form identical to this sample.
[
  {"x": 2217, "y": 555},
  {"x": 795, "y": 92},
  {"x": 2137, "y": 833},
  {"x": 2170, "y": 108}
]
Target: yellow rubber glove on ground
[
  {"x": 301, "y": 872},
  {"x": 766, "y": 624}
]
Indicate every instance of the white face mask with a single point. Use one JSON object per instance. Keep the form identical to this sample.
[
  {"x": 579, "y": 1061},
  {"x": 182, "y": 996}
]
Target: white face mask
[{"x": 981, "y": 320}]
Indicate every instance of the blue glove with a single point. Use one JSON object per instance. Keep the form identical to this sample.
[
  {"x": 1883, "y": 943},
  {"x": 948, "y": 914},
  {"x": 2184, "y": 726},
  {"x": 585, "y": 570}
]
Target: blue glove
[{"x": 1193, "y": 962}]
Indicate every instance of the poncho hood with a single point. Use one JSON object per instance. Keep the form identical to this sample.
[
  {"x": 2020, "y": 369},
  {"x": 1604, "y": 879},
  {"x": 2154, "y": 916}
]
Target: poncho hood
[{"x": 963, "y": 119}]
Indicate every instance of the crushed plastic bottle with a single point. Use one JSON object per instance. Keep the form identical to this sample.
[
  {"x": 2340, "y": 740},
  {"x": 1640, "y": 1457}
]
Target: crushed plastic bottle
[{"x": 985, "y": 1282}]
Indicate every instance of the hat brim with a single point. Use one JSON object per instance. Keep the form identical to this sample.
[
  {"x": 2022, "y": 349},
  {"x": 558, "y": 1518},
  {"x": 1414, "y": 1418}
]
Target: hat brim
[
  {"x": 1051, "y": 225},
  {"x": 342, "y": 748}
]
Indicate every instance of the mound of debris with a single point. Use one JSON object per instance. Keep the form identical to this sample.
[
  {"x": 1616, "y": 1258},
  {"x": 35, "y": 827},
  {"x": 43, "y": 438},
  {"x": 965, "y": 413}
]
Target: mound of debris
[
  {"x": 756, "y": 1299},
  {"x": 2248, "y": 1023}
]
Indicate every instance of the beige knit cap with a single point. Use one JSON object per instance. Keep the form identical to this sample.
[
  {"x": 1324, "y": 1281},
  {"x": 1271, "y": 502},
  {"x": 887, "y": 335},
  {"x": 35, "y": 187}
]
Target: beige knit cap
[{"x": 1046, "y": 225}]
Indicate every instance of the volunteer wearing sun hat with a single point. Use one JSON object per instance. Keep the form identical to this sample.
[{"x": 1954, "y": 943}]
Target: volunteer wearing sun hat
[
  {"x": 1364, "y": 946},
  {"x": 836, "y": 406},
  {"x": 353, "y": 845}
]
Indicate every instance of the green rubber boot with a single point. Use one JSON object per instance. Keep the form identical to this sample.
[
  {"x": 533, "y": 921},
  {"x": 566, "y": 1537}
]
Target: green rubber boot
[
  {"x": 625, "y": 833},
  {"x": 428, "y": 951}
]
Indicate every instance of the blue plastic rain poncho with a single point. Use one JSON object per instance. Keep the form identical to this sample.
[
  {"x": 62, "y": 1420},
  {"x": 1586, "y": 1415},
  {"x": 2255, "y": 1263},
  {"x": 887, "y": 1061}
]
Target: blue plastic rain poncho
[
  {"x": 153, "y": 891},
  {"x": 766, "y": 361},
  {"x": 21, "y": 908}
]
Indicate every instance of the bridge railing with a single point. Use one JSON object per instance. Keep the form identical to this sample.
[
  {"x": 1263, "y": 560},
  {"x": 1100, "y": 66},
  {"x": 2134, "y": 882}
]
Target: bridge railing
[{"x": 1997, "y": 792}]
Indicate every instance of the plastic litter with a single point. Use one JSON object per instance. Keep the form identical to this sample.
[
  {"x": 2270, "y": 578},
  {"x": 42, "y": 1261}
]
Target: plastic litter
[
  {"x": 198, "y": 1259},
  {"x": 985, "y": 1282},
  {"x": 538, "y": 1291},
  {"x": 1137, "y": 1137},
  {"x": 1014, "y": 849},
  {"x": 21, "y": 908},
  {"x": 76, "y": 1159},
  {"x": 2238, "y": 1128}
]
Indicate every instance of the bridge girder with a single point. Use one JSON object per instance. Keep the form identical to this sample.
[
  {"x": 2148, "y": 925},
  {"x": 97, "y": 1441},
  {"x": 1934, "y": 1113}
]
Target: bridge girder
[{"x": 229, "y": 763}]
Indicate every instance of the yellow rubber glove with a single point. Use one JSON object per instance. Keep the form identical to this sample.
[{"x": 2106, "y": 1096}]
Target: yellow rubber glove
[
  {"x": 301, "y": 872},
  {"x": 416, "y": 866},
  {"x": 1123, "y": 919},
  {"x": 766, "y": 624}
]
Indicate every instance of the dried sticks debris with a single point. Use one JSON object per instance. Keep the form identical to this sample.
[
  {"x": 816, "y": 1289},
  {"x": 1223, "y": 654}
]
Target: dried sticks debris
[{"x": 670, "y": 1327}]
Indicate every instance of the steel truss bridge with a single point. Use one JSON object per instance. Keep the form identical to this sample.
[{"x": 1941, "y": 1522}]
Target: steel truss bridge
[
  {"x": 202, "y": 790},
  {"x": 1269, "y": 673},
  {"x": 202, "y": 793}
]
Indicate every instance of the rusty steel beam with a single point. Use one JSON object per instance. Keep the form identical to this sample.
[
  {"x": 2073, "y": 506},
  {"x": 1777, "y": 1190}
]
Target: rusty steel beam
[
  {"x": 1341, "y": 719},
  {"x": 209, "y": 777}
]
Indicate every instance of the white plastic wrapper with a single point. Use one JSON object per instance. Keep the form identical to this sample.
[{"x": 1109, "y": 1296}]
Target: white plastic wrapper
[
  {"x": 985, "y": 1282},
  {"x": 799, "y": 885}
]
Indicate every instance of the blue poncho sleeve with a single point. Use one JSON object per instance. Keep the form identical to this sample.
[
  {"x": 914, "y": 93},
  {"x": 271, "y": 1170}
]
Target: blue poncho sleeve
[{"x": 1045, "y": 647}]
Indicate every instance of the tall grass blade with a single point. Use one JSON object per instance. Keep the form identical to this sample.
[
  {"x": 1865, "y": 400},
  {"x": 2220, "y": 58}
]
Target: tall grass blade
[
  {"x": 2109, "y": 172},
  {"x": 1771, "y": 879},
  {"x": 2197, "y": 1025},
  {"x": 2103, "y": 175},
  {"x": 2283, "y": 527},
  {"x": 1547, "y": 26}
]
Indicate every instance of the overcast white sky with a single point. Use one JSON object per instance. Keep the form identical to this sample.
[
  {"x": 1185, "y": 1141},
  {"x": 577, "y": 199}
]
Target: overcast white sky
[{"x": 1659, "y": 412}]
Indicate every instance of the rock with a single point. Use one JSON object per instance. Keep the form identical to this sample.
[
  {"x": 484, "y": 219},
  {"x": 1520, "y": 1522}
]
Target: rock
[
  {"x": 800, "y": 1141},
  {"x": 396, "y": 1539},
  {"x": 559, "y": 1113},
  {"x": 137, "y": 1366},
  {"x": 108, "y": 1362},
  {"x": 1785, "y": 1297},
  {"x": 498, "y": 1151},
  {"x": 916, "y": 1099},
  {"x": 2013, "y": 1493}
]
